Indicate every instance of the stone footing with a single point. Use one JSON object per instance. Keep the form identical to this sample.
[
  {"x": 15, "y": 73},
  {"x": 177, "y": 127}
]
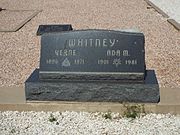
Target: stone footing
[{"x": 38, "y": 90}]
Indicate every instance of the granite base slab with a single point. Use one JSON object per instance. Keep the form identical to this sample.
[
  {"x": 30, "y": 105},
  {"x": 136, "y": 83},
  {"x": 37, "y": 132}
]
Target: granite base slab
[{"x": 38, "y": 90}]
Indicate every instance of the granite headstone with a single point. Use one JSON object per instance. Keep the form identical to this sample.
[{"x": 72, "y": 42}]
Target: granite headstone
[{"x": 93, "y": 65}]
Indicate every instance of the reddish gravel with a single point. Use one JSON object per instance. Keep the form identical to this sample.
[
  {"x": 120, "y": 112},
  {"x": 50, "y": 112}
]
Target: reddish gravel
[
  {"x": 19, "y": 51},
  {"x": 11, "y": 19}
]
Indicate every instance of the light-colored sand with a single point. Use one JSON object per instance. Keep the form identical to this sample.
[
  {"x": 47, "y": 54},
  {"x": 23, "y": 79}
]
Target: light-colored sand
[{"x": 19, "y": 51}]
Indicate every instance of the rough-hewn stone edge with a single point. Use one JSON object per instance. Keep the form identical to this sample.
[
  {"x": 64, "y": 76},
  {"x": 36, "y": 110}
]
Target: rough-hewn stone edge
[
  {"x": 147, "y": 92},
  {"x": 157, "y": 9},
  {"x": 86, "y": 106},
  {"x": 23, "y": 22},
  {"x": 174, "y": 23},
  {"x": 104, "y": 76}
]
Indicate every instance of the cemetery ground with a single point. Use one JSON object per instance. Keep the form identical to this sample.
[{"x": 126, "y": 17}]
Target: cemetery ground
[{"x": 20, "y": 54}]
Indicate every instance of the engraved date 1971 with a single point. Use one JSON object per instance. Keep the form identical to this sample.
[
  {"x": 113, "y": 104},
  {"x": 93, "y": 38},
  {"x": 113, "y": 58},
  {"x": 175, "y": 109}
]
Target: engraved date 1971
[{"x": 79, "y": 61}]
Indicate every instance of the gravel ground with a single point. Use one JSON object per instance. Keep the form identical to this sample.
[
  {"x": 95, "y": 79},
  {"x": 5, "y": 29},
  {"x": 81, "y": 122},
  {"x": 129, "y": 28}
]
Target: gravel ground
[
  {"x": 83, "y": 123},
  {"x": 12, "y": 18},
  {"x": 19, "y": 51},
  {"x": 170, "y": 7}
]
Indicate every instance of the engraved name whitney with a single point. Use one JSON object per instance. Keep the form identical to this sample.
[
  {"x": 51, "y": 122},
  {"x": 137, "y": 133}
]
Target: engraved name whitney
[
  {"x": 91, "y": 42},
  {"x": 95, "y": 43}
]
